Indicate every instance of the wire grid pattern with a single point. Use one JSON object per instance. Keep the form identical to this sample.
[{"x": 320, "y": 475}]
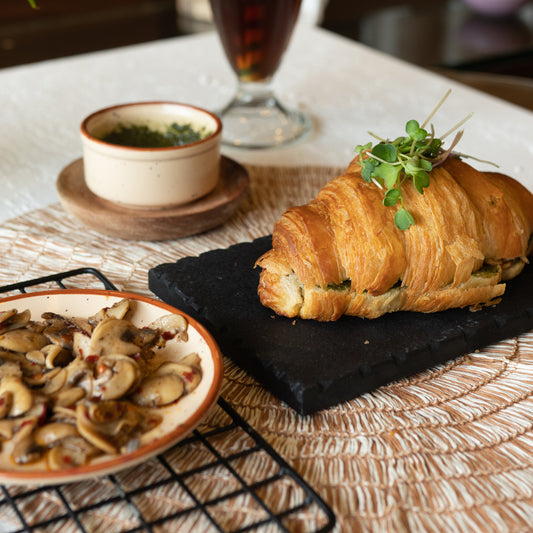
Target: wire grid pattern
[{"x": 201, "y": 484}]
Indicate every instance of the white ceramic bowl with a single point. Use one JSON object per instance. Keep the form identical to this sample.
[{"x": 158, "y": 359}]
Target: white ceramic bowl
[
  {"x": 179, "y": 418},
  {"x": 151, "y": 178}
]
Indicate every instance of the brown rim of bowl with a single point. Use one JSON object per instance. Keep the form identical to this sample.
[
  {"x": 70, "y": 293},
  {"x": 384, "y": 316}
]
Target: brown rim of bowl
[
  {"x": 158, "y": 445},
  {"x": 85, "y": 133}
]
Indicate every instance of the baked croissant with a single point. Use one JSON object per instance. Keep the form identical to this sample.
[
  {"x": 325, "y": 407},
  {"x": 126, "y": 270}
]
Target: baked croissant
[{"x": 343, "y": 254}]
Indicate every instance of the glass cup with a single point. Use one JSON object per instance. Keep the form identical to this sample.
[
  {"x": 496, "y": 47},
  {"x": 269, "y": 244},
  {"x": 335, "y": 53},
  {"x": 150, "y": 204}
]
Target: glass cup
[{"x": 254, "y": 35}]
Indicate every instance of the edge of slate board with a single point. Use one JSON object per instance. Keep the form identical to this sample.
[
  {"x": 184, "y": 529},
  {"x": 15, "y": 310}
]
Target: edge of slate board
[{"x": 312, "y": 365}]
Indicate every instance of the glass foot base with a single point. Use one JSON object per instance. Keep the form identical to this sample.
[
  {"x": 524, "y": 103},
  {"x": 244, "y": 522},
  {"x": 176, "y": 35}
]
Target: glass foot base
[{"x": 262, "y": 125}]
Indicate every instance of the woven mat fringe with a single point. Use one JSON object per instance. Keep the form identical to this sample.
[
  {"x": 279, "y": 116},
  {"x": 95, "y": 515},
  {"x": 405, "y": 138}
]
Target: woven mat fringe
[{"x": 450, "y": 449}]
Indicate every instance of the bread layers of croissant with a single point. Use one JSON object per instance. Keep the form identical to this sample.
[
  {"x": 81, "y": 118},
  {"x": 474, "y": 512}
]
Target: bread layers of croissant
[{"x": 343, "y": 254}]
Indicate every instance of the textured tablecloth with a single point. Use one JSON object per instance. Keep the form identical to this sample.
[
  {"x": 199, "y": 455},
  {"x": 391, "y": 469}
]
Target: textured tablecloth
[
  {"x": 450, "y": 449},
  {"x": 347, "y": 88}
]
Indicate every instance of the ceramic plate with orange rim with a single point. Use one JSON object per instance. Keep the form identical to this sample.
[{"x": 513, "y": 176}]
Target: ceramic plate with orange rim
[{"x": 177, "y": 419}]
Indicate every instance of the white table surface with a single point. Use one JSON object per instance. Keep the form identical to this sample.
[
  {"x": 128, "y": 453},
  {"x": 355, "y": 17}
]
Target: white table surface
[{"x": 347, "y": 88}]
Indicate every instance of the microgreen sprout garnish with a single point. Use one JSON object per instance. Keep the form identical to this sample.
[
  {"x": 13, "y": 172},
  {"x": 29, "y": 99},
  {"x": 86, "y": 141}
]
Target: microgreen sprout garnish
[{"x": 413, "y": 156}]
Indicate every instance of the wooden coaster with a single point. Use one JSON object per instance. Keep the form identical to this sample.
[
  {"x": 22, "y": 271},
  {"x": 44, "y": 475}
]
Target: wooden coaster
[{"x": 124, "y": 222}]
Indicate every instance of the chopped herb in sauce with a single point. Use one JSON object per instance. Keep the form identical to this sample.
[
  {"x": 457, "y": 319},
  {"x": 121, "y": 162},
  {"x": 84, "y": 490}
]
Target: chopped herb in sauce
[{"x": 143, "y": 137}]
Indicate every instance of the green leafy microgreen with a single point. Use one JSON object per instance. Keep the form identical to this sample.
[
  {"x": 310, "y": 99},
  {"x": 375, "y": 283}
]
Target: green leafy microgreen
[
  {"x": 385, "y": 152},
  {"x": 413, "y": 156},
  {"x": 388, "y": 173},
  {"x": 403, "y": 219},
  {"x": 391, "y": 197},
  {"x": 421, "y": 181}
]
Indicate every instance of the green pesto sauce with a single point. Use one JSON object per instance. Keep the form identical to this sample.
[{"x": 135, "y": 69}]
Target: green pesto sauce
[{"x": 143, "y": 137}]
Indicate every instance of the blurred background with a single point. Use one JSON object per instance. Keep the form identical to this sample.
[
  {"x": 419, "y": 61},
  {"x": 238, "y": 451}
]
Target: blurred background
[{"x": 485, "y": 43}]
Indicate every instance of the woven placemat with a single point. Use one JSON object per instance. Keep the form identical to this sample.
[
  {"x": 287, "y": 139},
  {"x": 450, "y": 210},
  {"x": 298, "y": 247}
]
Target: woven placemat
[{"x": 450, "y": 449}]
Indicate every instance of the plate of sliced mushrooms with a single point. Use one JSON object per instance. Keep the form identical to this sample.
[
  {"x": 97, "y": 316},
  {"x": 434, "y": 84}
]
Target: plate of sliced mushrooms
[{"x": 96, "y": 381}]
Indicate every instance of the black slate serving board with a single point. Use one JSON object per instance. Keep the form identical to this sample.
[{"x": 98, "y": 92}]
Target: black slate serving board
[{"x": 312, "y": 365}]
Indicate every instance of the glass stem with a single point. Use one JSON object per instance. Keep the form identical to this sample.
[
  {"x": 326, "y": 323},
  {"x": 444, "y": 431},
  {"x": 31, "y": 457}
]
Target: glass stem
[{"x": 255, "y": 94}]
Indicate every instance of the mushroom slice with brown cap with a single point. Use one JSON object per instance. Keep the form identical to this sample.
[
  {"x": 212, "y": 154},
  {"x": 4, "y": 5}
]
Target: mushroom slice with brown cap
[
  {"x": 12, "y": 319},
  {"x": 15, "y": 392},
  {"x": 57, "y": 330},
  {"x": 60, "y": 330},
  {"x": 116, "y": 375},
  {"x": 112, "y": 336},
  {"x": 81, "y": 325},
  {"x": 171, "y": 326},
  {"x": 22, "y": 340}
]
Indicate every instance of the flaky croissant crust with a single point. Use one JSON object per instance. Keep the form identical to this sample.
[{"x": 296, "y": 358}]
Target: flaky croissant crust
[{"x": 342, "y": 253}]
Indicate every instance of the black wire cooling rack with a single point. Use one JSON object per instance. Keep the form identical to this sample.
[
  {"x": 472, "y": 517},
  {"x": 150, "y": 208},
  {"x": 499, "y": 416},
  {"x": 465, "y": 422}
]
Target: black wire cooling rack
[{"x": 254, "y": 478}]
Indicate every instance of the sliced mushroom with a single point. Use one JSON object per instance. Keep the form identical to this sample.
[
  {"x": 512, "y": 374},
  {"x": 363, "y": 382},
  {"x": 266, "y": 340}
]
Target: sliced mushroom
[
  {"x": 68, "y": 397},
  {"x": 19, "y": 397},
  {"x": 25, "y": 366},
  {"x": 81, "y": 344},
  {"x": 113, "y": 336},
  {"x": 90, "y": 431},
  {"x": 51, "y": 433},
  {"x": 78, "y": 369},
  {"x": 171, "y": 326},
  {"x": 5, "y": 316},
  {"x": 116, "y": 375},
  {"x": 22, "y": 340},
  {"x": 58, "y": 330},
  {"x": 25, "y": 450},
  {"x": 148, "y": 337},
  {"x": 41, "y": 378},
  {"x": 37, "y": 357},
  {"x": 6, "y": 402},
  {"x": 81, "y": 325},
  {"x": 55, "y": 383},
  {"x": 11, "y": 319},
  {"x": 58, "y": 458},
  {"x": 10, "y": 368},
  {"x": 193, "y": 359},
  {"x": 118, "y": 310},
  {"x": 70, "y": 452},
  {"x": 156, "y": 391},
  {"x": 56, "y": 355},
  {"x": 64, "y": 414},
  {"x": 7, "y": 428},
  {"x": 108, "y": 425},
  {"x": 190, "y": 374}
]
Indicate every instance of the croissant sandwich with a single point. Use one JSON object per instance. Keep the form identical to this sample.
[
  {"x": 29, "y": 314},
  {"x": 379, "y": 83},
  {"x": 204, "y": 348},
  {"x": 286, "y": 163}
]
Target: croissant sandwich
[{"x": 344, "y": 253}]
